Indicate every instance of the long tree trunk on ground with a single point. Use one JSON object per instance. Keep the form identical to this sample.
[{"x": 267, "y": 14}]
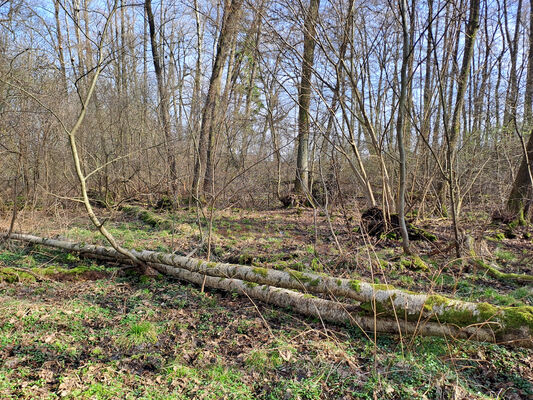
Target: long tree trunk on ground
[
  {"x": 304, "y": 99},
  {"x": 164, "y": 100},
  {"x": 499, "y": 323},
  {"x": 207, "y": 131}
]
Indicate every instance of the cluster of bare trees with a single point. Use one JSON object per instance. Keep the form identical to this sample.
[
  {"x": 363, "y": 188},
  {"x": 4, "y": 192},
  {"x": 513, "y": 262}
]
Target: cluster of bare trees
[{"x": 413, "y": 105}]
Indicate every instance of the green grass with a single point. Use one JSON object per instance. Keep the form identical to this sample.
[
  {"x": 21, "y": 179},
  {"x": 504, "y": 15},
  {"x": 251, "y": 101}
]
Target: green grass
[{"x": 125, "y": 338}]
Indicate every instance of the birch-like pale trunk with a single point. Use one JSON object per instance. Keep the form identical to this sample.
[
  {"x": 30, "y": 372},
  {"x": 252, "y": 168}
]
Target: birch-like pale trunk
[{"x": 499, "y": 323}]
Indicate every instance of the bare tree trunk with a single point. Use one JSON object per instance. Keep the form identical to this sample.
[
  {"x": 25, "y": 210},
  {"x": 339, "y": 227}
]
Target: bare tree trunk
[
  {"x": 512, "y": 88},
  {"x": 60, "y": 47},
  {"x": 164, "y": 101},
  {"x": 207, "y": 134},
  {"x": 528, "y": 99},
  {"x": 452, "y": 135},
  {"x": 304, "y": 99},
  {"x": 521, "y": 196},
  {"x": 349, "y": 118},
  {"x": 197, "y": 91},
  {"x": 470, "y": 38},
  {"x": 401, "y": 122}
]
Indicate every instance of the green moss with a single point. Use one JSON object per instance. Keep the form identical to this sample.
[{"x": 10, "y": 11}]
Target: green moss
[
  {"x": 419, "y": 263},
  {"x": 11, "y": 275},
  {"x": 55, "y": 270},
  {"x": 435, "y": 300},
  {"x": 339, "y": 282},
  {"x": 303, "y": 278},
  {"x": 486, "y": 311},
  {"x": 499, "y": 236},
  {"x": 211, "y": 264},
  {"x": 261, "y": 271},
  {"x": 516, "y": 317},
  {"x": 355, "y": 285},
  {"x": 370, "y": 307},
  {"x": 314, "y": 282},
  {"x": 250, "y": 284},
  {"x": 414, "y": 263},
  {"x": 379, "y": 286},
  {"x": 148, "y": 217},
  {"x": 457, "y": 317}
]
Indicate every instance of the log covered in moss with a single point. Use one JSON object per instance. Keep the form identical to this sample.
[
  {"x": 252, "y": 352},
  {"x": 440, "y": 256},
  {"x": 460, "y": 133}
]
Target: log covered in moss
[{"x": 387, "y": 301}]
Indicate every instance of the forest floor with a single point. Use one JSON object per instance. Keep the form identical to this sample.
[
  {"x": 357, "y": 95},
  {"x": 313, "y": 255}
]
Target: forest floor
[{"x": 74, "y": 328}]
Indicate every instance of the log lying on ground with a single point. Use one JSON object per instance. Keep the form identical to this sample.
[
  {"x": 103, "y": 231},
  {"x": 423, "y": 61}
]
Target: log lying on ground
[
  {"x": 478, "y": 261},
  {"x": 387, "y": 301},
  {"x": 345, "y": 314},
  {"x": 496, "y": 273}
]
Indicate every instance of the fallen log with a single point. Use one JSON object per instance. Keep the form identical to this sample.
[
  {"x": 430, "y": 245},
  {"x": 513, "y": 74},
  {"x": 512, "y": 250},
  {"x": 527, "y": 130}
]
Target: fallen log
[
  {"x": 496, "y": 273},
  {"x": 346, "y": 314},
  {"x": 506, "y": 323}
]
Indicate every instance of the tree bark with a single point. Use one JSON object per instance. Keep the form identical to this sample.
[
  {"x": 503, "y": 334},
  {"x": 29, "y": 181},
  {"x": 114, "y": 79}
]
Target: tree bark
[
  {"x": 304, "y": 99},
  {"x": 528, "y": 99},
  {"x": 164, "y": 101},
  {"x": 470, "y": 38},
  {"x": 401, "y": 123},
  {"x": 521, "y": 196},
  {"x": 206, "y": 137},
  {"x": 512, "y": 89},
  {"x": 501, "y": 322},
  {"x": 60, "y": 48}
]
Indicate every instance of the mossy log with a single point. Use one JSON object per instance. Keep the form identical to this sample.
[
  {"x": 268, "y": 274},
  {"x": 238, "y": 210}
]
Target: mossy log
[
  {"x": 504, "y": 323},
  {"x": 506, "y": 276},
  {"x": 148, "y": 217},
  {"x": 347, "y": 314},
  {"x": 491, "y": 269}
]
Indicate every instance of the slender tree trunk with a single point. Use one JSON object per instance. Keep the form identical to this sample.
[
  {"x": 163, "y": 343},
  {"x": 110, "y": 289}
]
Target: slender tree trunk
[
  {"x": 60, "y": 47},
  {"x": 197, "y": 91},
  {"x": 207, "y": 134},
  {"x": 521, "y": 196},
  {"x": 455, "y": 123},
  {"x": 164, "y": 101},
  {"x": 512, "y": 89},
  {"x": 304, "y": 99},
  {"x": 470, "y": 38},
  {"x": 528, "y": 99},
  {"x": 401, "y": 122}
]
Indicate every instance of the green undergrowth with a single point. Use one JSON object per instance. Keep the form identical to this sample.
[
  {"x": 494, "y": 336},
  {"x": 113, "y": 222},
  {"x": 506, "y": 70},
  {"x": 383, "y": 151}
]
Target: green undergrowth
[
  {"x": 34, "y": 263},
  {"x": 111, "y": 335},
  {"x": 122, "y": 338}
]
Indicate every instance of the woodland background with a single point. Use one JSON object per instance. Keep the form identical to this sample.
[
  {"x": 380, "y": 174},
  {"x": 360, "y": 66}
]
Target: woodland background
[{"x": 247, "y": 103}]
